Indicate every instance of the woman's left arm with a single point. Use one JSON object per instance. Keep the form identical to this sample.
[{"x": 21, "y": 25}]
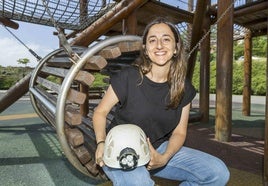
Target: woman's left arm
[{"x": 176, "y": 141}]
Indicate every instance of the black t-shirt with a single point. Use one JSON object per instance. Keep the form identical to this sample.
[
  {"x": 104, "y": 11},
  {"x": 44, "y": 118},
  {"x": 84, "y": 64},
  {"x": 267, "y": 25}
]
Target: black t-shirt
[{"x": 144, "y": 103}]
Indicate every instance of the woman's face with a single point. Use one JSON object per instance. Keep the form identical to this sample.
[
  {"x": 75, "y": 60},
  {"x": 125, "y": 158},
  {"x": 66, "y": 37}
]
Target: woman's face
[{"x": 160, "y": 44}]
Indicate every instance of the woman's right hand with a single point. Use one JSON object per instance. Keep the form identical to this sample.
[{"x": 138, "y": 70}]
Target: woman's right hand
[{"x": 99, "y": 154}]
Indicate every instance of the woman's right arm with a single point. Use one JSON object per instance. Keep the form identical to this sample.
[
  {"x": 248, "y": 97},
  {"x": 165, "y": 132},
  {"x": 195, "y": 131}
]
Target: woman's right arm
[{"x": 99, "y": 119}]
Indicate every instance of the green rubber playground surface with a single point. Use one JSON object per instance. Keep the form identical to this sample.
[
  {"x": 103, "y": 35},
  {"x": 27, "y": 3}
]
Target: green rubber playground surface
[{"x": 30, "y": 154}]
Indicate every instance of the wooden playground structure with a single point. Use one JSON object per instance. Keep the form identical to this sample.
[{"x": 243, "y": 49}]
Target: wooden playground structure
[{"x": 60, "y": 86}]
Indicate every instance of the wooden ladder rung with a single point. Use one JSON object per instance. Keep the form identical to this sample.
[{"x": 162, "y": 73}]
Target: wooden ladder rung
[{"x": 73, "y": 95}]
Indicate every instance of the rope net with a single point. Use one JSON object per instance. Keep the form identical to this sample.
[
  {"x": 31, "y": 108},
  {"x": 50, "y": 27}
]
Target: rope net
[{"x": 69, "y": 14}]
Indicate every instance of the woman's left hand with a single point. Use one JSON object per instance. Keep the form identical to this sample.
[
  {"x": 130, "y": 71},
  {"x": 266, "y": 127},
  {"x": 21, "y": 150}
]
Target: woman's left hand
[{"x": 157, "y": 160}]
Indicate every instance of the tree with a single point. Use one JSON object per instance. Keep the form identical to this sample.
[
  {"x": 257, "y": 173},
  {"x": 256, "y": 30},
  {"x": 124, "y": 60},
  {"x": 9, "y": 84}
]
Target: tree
[{"x": 23, "y": 61}]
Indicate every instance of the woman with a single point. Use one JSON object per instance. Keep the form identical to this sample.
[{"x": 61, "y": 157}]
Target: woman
[{"x": 155, "y": 95}]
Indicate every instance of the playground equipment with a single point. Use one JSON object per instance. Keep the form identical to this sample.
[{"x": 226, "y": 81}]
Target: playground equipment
[{"x": 60, "y": 94}]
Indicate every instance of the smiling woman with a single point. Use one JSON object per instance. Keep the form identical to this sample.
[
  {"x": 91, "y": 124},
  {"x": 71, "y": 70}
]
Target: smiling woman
[{"x": 155, "y": 95}]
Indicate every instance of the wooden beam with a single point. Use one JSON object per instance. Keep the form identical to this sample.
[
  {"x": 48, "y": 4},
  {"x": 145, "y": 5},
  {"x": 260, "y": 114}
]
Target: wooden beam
[
  {"x": 131, "y": 24},
  {"x": 205, "y": 72},
  {"x": 9, "y": 23},
  {"x": 127, "y": 46},
  {"x": 110, "y": 52},
  {"x": 247, "y": 74},
  {"x": 107, "y": 21},
  {"x": 82, "y": 76},
  {"x": 199, "y": 16},
  {"x": 223, "y": 120},
  {"x": 265, "y": 175},
  {"x": 15, "y": 92},
  {"x": 73, "y": 95},
  {"x": 254, "y": 7},
  {"x": 71, "y": 115},
  {"x": 82, "y": 154},
  {"x": 95, "y": 63},
  {"x": 75, "y": 136}
]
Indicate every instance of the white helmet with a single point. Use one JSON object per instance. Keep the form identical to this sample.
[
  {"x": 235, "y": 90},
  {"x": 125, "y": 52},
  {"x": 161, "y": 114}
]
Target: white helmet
[{"x": 126, "y": 147}]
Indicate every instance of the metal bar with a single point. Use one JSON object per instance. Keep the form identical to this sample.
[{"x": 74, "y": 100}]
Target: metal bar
[{"x": 47, "y": 103}]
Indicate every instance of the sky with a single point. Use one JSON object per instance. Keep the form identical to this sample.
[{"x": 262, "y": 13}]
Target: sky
[{"x": 36, "y": 37}]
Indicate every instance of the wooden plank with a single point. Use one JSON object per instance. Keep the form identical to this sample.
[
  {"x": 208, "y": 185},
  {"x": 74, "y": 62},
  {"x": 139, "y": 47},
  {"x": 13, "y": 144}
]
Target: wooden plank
[
  {"x": 82, "y": 76},
  {"x": 96, "y": 62},
  {"x": 110, "y": 52},
  {"x": 87, "y": 131},
  {"x": 59, "y": 62},
  {"x": 73, "y": 95},
  {"x": 72, "y": 116},
  {"x": 130, "y": 46},
  {"x": 9, "y": 23},
  {"x": 82, "y": 154},
  {"x": 76, "y": 97},
  {"x": 85, "y": 77},
  {"x": 92, "y": 168},
  {"x": 48, "y": 84},
  {"x": 59, "y": 72},
  {"x": 75, "y": 137}
]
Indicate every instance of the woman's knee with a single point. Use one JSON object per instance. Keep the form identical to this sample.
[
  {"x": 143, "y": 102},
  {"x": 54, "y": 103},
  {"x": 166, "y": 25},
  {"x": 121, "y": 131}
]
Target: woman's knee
[
  {"x": 220, "y": 172},
  {"x": 136, "y": 177}
]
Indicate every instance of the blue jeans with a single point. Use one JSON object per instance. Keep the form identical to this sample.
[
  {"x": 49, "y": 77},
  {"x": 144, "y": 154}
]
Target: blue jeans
[{"x": 189, "y": 166}]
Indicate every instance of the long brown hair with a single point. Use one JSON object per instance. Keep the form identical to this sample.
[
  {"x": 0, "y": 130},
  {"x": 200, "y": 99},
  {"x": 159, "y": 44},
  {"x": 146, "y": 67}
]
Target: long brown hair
[{"x": 178, "y": 67}]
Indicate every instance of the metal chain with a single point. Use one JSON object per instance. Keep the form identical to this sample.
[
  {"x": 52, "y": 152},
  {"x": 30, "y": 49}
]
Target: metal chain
[
  {"x": 63, "y": 41},
  {"x": 208, "y": 32}
]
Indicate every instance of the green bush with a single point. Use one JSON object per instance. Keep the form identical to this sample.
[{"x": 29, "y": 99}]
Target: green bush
[{"x": 258, "y": 81}]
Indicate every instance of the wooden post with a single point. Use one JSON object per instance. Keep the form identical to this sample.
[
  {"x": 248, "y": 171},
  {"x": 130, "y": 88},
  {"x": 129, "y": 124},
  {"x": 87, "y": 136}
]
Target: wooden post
[
  {"x": 204, "y": 72},
  {"x": 265, "y": 180},
  {"x": 131, "y": 24},
  {"x": 199, "y": 15},
  {"x": 247, "y": 74},
  {"x": 223, "y": 120}
]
